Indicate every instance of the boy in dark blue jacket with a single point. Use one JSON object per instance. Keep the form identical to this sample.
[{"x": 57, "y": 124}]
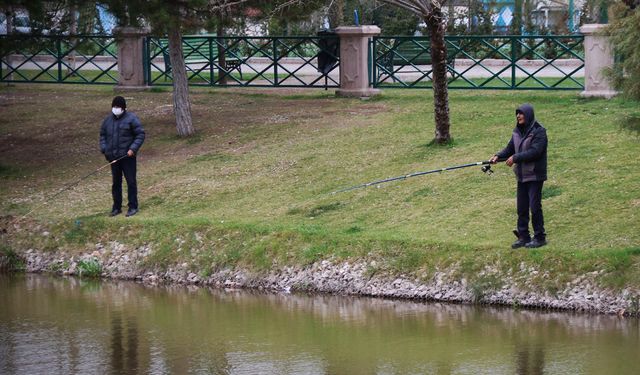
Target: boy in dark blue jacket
[
  {"x": 121, "y": 136},
  {"x": 527, "y": 154}
]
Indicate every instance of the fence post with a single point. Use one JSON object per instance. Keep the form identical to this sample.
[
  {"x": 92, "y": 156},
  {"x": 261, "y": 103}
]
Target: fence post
[
  {"x": 354, "y": 60},
  {"x": 131, "y": 58},
  {"x": 598, "y": 55}
]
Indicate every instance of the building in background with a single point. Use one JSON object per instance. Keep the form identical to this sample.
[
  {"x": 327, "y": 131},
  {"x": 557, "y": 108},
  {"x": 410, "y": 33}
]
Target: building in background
[
  {"x": 537, "y": 16},
  {"x": 544, "y": 15}
]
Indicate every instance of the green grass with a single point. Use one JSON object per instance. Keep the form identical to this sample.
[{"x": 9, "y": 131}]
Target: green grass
[
  {"x": 158, "y": 78},
  {"x": 494, "y": 83},
  {"x": 51, "y": 75},
  {"x": 253, "y": 188},
  {"x": 204, "y": 78}
]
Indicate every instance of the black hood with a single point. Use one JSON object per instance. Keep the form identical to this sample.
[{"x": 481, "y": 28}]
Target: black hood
[{"x": 527, "y": 110}]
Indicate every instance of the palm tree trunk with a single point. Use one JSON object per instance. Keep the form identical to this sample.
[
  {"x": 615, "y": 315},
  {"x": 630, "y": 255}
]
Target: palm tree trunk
[
  {"x": 440, "y": 92},
  {"x": 181, "y": 104}
]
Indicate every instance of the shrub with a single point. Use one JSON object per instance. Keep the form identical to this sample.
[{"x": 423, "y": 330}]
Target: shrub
[
  {"x": 89, "y": 268},
  {"x": 10, "y": 260}
]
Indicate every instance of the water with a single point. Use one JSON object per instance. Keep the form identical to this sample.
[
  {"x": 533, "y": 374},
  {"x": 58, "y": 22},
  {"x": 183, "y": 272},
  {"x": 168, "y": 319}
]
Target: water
[{"x": 52, "y": 325}]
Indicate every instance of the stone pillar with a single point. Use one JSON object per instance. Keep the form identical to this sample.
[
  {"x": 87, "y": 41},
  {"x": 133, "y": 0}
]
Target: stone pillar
[
  {"x": 598, "y": 55},
  {"x": 130, "y": 42},
  {"x": 354, "y": 60}
]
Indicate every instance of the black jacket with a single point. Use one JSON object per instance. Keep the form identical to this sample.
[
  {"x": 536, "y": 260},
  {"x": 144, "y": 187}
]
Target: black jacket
[
  {"x": 528, "y": 146},
  {"x": 118, "y": 135}
]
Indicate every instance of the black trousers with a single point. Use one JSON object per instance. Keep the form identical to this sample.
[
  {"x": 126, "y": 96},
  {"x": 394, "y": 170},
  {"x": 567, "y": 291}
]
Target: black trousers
[
  {"x": 126, "y": 167},
  {"x": 530, "y": 199}
]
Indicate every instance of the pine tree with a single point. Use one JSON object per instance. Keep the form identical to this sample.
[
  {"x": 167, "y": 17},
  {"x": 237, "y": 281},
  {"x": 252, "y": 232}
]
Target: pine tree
[{"x": 625, "y": 33}]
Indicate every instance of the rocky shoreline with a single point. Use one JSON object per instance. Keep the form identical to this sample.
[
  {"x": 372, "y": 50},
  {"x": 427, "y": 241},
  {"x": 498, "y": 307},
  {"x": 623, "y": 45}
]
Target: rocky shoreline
[{"x": 340, "y": 277}]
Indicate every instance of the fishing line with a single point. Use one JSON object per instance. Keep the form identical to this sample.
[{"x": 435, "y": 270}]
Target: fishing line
[{"x": 69, "y": 186}]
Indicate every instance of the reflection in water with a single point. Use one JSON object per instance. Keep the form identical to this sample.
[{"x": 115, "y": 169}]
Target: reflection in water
[
  {"x": 124, "y": 349},
  {"x": 529, "y": 361},
  {"x": 132, "y": 346},
  {"x": 116, "y": 345},
  {"x": 70, "y": 326}
]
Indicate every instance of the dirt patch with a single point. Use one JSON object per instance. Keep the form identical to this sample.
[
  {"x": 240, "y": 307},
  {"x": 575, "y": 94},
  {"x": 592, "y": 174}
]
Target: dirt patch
[{"x": 10, "y": 224}]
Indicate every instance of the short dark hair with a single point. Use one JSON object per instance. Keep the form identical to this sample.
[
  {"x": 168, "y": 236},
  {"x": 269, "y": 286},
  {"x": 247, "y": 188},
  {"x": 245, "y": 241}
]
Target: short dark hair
[{"x": 119, "y": 102}]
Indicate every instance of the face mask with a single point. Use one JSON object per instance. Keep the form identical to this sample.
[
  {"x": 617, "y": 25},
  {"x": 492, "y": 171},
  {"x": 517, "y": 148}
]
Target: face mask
[{"x": 117, "y": 111}]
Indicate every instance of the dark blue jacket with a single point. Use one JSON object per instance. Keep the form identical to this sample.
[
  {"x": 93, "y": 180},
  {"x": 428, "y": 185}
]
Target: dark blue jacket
[
  {"x": 528, "y": 145},
  {"x": 118, "y": 135}
]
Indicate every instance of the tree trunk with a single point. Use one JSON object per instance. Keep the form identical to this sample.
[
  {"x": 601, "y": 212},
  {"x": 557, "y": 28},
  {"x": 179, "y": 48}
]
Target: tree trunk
[
  {"x": 181, "y": 104},
  {"x": 222, "y": 58},
  {"x": 439, "y": 74},
  {"x": 73, "y": 31},
  {"x": 9, "y": 16}
]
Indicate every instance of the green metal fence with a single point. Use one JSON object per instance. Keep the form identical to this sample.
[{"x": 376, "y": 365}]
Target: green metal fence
[
  {"x": 473, "y": 62},
  {"x": 89, "y": 59},
  {"x": 482, "y": 62},
  {"x": 248, "y": 61}
]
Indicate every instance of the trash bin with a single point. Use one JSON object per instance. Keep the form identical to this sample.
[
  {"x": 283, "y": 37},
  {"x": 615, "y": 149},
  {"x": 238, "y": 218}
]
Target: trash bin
[{"x": 329, "y": 51}]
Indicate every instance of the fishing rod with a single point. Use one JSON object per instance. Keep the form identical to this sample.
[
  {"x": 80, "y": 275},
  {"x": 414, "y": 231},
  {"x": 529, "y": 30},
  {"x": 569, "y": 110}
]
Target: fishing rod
[
  {"x": 70, "y": 185},
  {"x": 486, "y": 169}
]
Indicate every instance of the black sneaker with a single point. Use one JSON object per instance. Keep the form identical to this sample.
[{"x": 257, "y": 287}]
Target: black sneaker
[
  {"x": 131, "y": 212},
  {"x": 115, "y": 212},
  {"x": 520, "y": 243},
  {"x": 535, "y": 243}
]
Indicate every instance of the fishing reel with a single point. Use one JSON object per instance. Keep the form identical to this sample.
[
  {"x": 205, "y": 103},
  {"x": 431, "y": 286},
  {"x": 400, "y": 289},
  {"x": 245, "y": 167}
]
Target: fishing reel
[{"x": 487, "y": 169}]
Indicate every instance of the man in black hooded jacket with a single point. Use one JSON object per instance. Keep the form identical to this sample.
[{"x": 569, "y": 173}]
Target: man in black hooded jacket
[
  {"x": 527, "y": 154},
  {"x": 121, "y": 136}
]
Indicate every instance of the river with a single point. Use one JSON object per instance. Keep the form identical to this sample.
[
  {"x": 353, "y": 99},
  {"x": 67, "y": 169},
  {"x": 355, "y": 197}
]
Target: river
[{"x": 54, "y": 325}]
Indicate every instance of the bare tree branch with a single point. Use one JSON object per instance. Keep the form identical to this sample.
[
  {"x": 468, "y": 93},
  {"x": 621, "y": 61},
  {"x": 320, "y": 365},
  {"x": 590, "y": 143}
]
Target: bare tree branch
[
  {"x": 217, "y": 5},
  {"x": 290, "y": 3}
]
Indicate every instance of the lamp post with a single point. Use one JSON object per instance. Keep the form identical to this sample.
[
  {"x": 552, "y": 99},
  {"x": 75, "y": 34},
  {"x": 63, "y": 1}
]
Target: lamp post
[{"x": 571, "y": 25}]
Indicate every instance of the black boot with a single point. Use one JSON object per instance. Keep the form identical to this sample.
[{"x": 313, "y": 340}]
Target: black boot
[
  {"x": 520, "y": 243},
  {"x": 536, "y": 243}
]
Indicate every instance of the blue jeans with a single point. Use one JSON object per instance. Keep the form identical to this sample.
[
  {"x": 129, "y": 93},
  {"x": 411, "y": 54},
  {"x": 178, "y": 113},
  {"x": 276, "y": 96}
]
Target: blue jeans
[
  {"x": 530, "y": 199},
  {"x": 126, "y": 167}
]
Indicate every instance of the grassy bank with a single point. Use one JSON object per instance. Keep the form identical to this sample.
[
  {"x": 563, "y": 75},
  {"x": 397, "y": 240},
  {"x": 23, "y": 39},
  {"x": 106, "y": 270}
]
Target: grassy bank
[{"x": 252, "y": 188}]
